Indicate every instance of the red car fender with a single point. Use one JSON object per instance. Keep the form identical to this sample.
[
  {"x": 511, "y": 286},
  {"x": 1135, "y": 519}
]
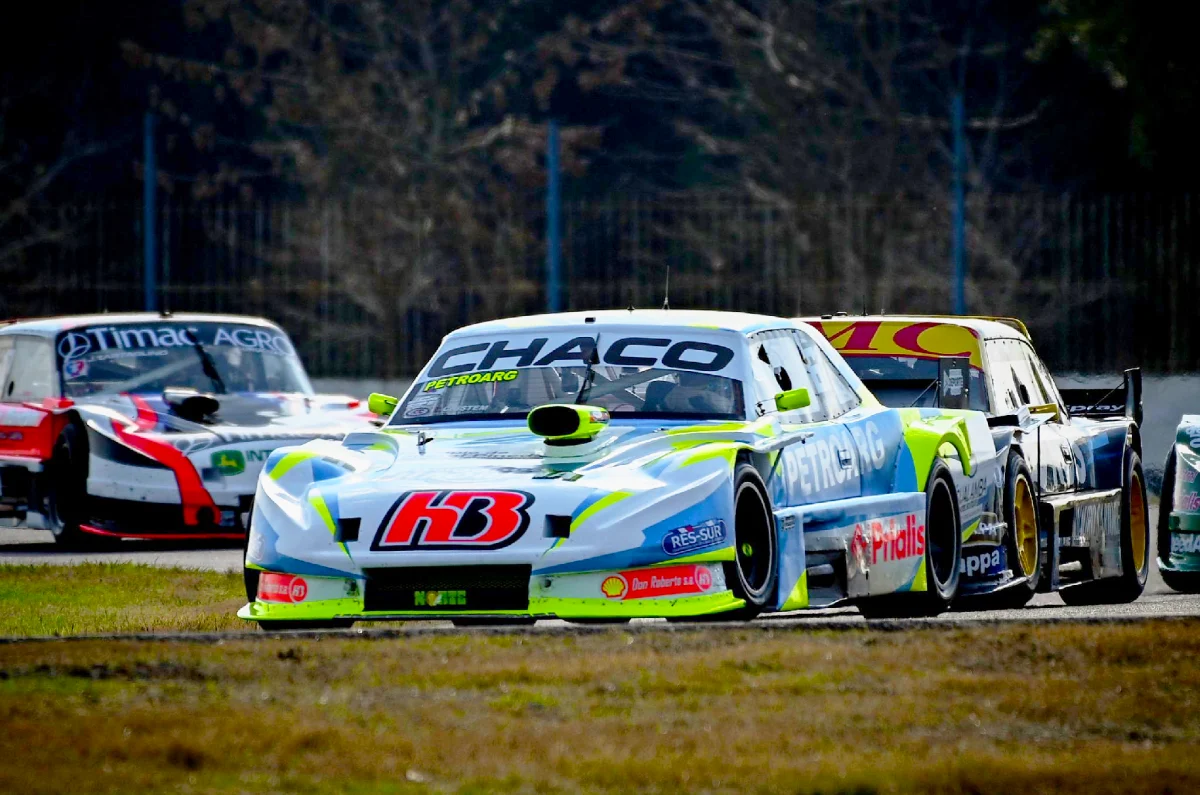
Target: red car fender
[{"x": 192, "y": 494}]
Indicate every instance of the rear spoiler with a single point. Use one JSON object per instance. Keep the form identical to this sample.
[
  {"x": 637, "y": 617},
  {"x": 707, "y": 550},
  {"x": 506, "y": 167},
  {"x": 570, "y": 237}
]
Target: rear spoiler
[{"x": 1124, "y": 400}]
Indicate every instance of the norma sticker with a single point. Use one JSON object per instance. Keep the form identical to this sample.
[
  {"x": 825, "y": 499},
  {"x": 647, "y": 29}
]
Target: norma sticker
[
  {"x": 284, "y": 588},
  {"x": 439, "y": 598},
  {"x": 663, "y": 581},
  {"x": 690, "y": 538}
]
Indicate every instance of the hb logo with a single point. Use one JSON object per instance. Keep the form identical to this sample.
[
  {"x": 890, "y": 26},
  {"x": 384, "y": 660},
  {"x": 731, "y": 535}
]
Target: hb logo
[{"x": 454, "y": 520}]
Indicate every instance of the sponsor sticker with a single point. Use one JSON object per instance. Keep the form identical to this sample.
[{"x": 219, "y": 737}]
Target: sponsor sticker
[
  {"x": 75, "y": 368},
  {"x": 482, "y": 357},
  {"x": 613, "y": 587},
  {"x": 658, "y": 582},
  {"x": 690, "y": 538},
  {"x": 439, "y": 598},
  {"x": 1193, "y": 433},
  {"x": 473, "y": 378},
  {"x": 284, "y": 588},
  {"x": 229, "y": 462},
  {"x": 891, "y": 542},
  {"x": 146, "y": 340},
  {"x": 1185, "y": 543},
  {"x": 421, "y": 405},
  {"x": 1190, "y": 503},
  {"x": 470, "y": 520},
  {"x": 988, "y": 563}
]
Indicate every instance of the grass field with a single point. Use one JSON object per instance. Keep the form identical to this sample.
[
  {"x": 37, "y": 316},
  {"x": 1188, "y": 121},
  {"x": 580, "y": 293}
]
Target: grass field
[
  {"x": 117, "y": 597},
  {"x": 1068, "y": 708}
]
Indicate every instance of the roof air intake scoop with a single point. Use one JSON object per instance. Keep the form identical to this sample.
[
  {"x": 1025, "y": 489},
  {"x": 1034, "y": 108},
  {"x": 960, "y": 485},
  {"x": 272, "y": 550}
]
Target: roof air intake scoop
[{"x": 567, "y": 424}]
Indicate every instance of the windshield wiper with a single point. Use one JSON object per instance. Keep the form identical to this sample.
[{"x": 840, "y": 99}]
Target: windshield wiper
[
  {"x": 210, "y": 367},
  {"x": 592, "y": 360}
]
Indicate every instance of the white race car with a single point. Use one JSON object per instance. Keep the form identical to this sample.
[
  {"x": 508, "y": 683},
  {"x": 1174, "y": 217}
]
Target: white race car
[
  {"x": 150, "y": 426},
  {"x": 609, "y": 465}
]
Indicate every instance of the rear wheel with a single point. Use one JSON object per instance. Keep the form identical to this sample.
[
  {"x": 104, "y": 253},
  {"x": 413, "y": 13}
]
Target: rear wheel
[
  {"x": 1135, "y": 548},
  {"x": 66, "y": 489},
  {"x": 1022, "y": 544},
  {"x": 943, "y": 550},
  {"x": 753, "y": 575}
]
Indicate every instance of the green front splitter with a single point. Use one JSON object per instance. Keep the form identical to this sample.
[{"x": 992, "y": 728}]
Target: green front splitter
[{"x": 539, "y": 607}]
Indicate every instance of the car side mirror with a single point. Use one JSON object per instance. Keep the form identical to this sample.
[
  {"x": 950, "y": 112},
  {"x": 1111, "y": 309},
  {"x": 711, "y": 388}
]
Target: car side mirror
[
  {"x": 793, "y": 399},
  {"x": 381, "y": 404}
]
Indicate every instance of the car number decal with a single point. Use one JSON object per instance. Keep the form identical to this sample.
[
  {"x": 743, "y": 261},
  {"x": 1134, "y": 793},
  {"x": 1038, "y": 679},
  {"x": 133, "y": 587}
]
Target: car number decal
[{"x": 472, "y": 520}]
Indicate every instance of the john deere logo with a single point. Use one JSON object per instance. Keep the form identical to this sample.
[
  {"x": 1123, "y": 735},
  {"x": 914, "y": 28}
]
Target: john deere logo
[{"x": 229, "y": 462}]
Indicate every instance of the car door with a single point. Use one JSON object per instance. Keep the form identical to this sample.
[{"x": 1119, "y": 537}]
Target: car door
[
  {"x": 1071, "y": 442},
  {"x": 1016, "y": 383},
  {"x": 823, "y": 467}
]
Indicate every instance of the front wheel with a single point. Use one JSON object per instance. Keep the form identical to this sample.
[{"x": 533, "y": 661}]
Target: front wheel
[
  {"x": 754, "y": 573},
  {"x": 66, "y": 489},
  {"x": 1022, "y": 541},
  {"x": 943, "y": 549},
  {"x": 1135, "y": 548}
]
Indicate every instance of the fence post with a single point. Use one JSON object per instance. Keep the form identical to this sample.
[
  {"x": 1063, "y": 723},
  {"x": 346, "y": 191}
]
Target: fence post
[
  {"x": 149, "y": 225},
  {"x": 958, "y": 244},
  {"x": 553, "y": 222}
]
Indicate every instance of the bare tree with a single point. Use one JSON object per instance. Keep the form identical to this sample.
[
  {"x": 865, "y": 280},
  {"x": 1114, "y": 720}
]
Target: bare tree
[
  {"x": 838, "y": 111},
  {"x": 410, "y": 123}
]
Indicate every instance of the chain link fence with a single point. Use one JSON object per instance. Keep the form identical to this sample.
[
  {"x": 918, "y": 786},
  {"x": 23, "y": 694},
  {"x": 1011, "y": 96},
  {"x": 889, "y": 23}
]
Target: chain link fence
[{"x": 1103, "y": 282}]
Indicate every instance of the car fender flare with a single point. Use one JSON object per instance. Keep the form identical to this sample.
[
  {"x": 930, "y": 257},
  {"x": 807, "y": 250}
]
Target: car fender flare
[{"x": 925, "y": 438}]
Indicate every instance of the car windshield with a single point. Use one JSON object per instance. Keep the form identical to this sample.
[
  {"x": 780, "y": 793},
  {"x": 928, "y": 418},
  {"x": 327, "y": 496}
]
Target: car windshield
[
  {"x": 631, "y": 376},
  {"x": 902, "y": 381},
  {"x": 208, "y": 357}
]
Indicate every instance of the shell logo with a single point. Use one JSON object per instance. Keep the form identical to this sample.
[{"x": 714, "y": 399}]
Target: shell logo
[{"x": 613, "y": 587}]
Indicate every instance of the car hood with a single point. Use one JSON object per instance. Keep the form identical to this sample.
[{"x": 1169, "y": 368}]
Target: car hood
[
  {"x": 261, "y": 415},
  {"x": 620, "y": 495}
]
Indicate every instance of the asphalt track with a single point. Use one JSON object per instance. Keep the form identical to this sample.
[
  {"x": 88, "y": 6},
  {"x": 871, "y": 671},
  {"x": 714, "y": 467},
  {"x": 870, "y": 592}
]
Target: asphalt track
[{"x": 22, "y": 546}]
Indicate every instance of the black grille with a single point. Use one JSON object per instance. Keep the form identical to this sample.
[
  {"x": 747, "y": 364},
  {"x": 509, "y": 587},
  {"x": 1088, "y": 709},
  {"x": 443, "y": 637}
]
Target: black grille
[{"x": 447, "y": 588}]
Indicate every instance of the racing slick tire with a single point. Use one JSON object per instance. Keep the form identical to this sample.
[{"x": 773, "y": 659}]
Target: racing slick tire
[
  {"x": 753, "y": 575},
  {"x": 1135, "y": 548},
  {"x": 1022, "y": 542},
  {"x": 66, "y": 489},
  {"x": 1181, "y": 581},
  {"x": 943, "y": 550}
]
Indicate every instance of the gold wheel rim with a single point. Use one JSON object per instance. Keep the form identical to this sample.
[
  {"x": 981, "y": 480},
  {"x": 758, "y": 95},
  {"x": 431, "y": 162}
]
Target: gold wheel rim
[
  {"x": 1137, "y": 522},
  {"x": 1025, "y": 520}
]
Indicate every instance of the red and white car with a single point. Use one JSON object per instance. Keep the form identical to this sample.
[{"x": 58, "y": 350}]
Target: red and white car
[{"x": 150, "y": 425}]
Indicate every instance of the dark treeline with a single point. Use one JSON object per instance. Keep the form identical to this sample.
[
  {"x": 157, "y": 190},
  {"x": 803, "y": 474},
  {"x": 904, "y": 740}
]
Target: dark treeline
[
  {"x": 1068, "y": 94},
  {"x": 378, "y": 166}
]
